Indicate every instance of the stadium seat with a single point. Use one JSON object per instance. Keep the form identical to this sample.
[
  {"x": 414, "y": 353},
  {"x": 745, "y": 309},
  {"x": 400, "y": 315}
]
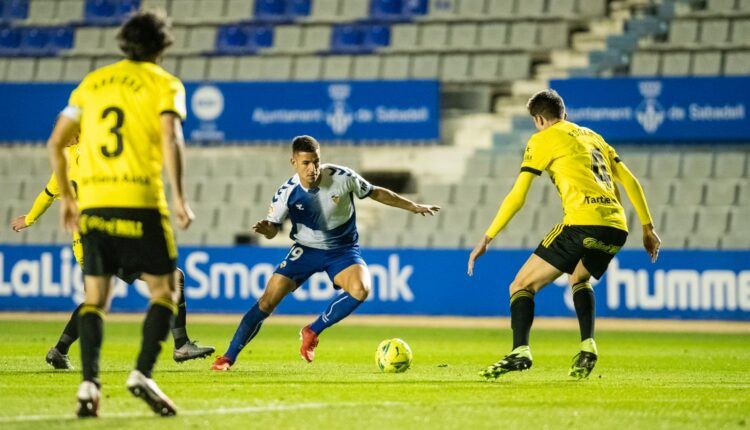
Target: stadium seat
[
  {"x": 270, "y": 10},
  {"x": 13, "y": 10},
  {"x": 347, "y": 38},
  {"x": 366, "y": 67},
  {"x": 41, "y": 11},
  {"x": 386, "y": 9},
  {"x": 20, "y": 69},
  {"x": 276, "y": 69},
  {"x": 714, "y": 32},
  {"x": 730, "y": 165},
  {"x": 454, "y": 218},
  {"x": 248, "y": 69},
  {"x": 49, "y": 70},
  {"x": 75, "y": 69},
  {"x": 470, "y": 9},
  {"x": 721, "y": 192},
  {"x": 665, "y": 165},
  {"x": 644, "y": 64},
  {"x": 221, "y": 68},
  {"x": 287, "y": 38},
  {"x": 414, "y": 8},
  {"x": 675, "y": 64},
  {"x": 10, "y": 41},
  {"x": 192, "y": 68},
  {"x": 712, "y": 222},
  {"x": 463, "y": 36},
  {"x": 184, "y": 11},
  {"x": 441, "y": 9},
  {"x": 515, "y": 66},
  {"x": 706, "y": 64},
  {"x": 404, "y": 36},
  {"x": 239, "y": 9},
  {"x": 425, "y": 66},
  {"x": 493, "y": 35},
  {"x": 680, "y": 221},
  {"x": 683, "y": 32},
  {"x": 337, "y": 67},
  {"x": 201, "y": 39},
  {"x": 733, "y": 242},
  {"x": 530, "y": 9},
  {"x": 740, "y": 31},
  {"x": 324, "y": 10},
  {"x": 688, "y": 192},
  {"x": 376, "y": 36},
  {"x": 233, "y": 39},
  {"x": 697, "y": 164},
  {"x": 562, "y": 8},
  {"x": 433, "y": 36},
  {"x": 739, "y": 225},
  {"x": 352, "y": 10},
  {"x": 395, "y": 67},
  {"x": 69, "y": 11},
  {"x": 87, "y": 40},
  {"x": 553, "y": 35},
  {"x": 720, "y": 5},
  {"x": 736, "y": 63},
  {"x": 523, "y": 35},
  {"x": 101, "y": 12},
  {"x": 316, "y": 38},
  {"x": 500, "y": 8},
  {"x": 307, "y": 68},
  {"x": 468, "y": 196},
  {"x": 298, "y": 8},
  {"x": 454, "y": 68}
]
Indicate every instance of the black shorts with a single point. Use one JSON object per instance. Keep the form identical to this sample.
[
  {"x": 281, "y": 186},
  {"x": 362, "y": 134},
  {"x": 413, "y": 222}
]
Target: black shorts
[
  {"x": 594, "y": 246},
  {"x": 126, "y": 242}
]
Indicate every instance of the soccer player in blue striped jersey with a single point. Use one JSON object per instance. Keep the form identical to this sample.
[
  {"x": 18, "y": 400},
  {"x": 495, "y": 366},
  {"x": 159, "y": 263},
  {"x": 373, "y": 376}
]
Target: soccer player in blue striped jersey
[{"x": 319, "y": 200}]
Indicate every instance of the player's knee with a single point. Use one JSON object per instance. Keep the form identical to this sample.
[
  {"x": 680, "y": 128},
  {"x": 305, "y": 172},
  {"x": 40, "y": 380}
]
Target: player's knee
[
  {"x": 520, "y": 284},
  {"x": 267, "y": 304},
  {"x": 179, "y": 276},
  {"x": 360, "y": 291}
]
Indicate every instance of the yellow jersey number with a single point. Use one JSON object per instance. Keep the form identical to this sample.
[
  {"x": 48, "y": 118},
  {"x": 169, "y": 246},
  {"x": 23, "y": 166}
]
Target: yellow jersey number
[{"x": 115, "y": 130}]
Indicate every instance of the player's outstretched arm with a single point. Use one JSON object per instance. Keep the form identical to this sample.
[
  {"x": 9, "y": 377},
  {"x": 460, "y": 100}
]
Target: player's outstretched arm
[
  {"x": 512, "y": 203},
  {"x": 173, "y": 145},
  {"x": 266, "y": 228},
  {"x": 388, "y": 197},
  {"x": 42, "y": 202},
  {"x": 633, "y": 189},
  {"x": 65, "y": 129}
]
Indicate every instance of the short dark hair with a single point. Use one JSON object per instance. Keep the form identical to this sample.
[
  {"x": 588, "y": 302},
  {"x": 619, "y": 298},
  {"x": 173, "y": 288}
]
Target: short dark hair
[
  {"x": 145, "y": 35},
  {"x": 546, "y": 103},
  {"x": 304, "y": 144}
]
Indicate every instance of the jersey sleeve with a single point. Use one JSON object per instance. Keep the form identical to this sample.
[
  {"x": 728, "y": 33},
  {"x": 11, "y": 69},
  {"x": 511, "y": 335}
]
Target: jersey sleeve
[
  {"x": 357, "y": 184},
  {"x": 74, "y": 109},
  {"x": 278, "y": 210},
  {"x": 612, "y": 154},
  {"x": 536, "y": 157},
  {"x": 52, "y": 188},
  {"x": 172, "y": 98}
]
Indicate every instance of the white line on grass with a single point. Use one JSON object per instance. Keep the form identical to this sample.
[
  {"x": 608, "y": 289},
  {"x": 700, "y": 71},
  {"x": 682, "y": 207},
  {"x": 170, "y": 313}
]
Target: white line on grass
[{"x": 217, "y": 411}]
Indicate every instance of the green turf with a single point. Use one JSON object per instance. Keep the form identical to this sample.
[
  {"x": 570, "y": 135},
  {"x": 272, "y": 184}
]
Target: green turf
[{"x": 642, "y": 380}]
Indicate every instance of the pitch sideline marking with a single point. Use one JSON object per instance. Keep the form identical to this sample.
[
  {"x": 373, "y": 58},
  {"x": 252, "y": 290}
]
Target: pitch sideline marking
[{"x": 197, "y": 412}]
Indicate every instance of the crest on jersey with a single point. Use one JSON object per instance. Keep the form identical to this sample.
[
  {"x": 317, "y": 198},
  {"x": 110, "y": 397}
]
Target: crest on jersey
[{"x": 335, "y": 199}]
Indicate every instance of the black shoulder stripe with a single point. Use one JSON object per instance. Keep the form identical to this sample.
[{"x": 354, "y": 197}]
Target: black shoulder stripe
[
  {"x": 617, "y": 159},
  {"x": 48, "y": 193},
  {"x": 531, "y": 170}
]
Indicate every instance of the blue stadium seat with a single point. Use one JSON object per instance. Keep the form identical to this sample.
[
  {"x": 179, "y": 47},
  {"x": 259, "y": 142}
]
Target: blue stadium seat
[
  {"x": 271, "y": 10},
  {"x": 101, "y": 12},
  {"x": 414, "y": 7},
  {"x": 126, "y": 7},
  {"x": 10, "y": 40},
  {"x": 347, "y": 38},
  {"x": 377, "y": 36},
  {"x": 386, "y": 9},
  {"x": 298, "y": 8},
  {"x": 35, "y": 41},
  {"x": 61, "y": 38},
  {"x": 13, "y": 10},
  {"x": 243, "y": 39}
]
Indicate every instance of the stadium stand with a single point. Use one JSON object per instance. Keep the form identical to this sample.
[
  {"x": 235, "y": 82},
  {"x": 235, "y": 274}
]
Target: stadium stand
[{"x": 489, "y": 56}]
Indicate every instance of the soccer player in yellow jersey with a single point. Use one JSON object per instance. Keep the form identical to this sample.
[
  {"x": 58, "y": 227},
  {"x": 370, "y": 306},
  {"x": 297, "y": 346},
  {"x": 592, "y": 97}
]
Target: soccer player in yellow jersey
[
  {"x": 57, "y": 356},
  {"x": 129, "y": 116},
  {"x": 583, "y": 168}
]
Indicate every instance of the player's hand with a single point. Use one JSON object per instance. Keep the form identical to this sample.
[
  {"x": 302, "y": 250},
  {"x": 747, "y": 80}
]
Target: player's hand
[
  {"x": 266, "y": 228},
  {"x": 425, "y": 209},
  {"x": 69, "y": 214},
  {"x": 477, "y": 252},
  {"x": 651, "y": 242},
  {"x": 183, "y": 214},
  {"x": 19, "y": 223}
]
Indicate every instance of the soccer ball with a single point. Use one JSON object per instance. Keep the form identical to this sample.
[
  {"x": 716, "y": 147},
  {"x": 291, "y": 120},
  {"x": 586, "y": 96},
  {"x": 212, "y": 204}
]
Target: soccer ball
[{"x": 393, "y": 356}]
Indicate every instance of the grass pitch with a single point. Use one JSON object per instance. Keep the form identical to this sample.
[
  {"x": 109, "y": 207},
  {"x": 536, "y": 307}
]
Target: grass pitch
[{"x": 642, "y": 380}]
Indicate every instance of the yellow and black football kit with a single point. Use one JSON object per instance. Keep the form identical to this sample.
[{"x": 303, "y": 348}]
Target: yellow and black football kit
[
  {"x": 124, "y": 217},
  {"x": 52, "y": 192},
  {"x": 594, "y": 227}
]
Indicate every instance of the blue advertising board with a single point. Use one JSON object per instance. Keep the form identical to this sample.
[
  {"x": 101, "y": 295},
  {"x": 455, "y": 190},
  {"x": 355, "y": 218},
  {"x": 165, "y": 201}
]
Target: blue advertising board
[
  {"x": 261, "y": 111},
  {"x": 682, "y": 284},
  {"x": 660, "y": 109}
]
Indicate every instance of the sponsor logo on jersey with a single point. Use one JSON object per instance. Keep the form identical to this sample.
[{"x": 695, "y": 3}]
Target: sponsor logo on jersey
[{"x": 592, "y": 243}]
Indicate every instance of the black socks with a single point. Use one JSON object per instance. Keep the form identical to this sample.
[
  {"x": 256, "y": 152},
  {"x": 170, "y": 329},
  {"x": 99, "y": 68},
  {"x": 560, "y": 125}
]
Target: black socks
[
  {"x": 583, "y": 299},
  {"x": 70, "y": 332},
  {"x": 91, "y": 329},
  {"x": 155, "y": 331},
  {"x": 521, "y": 316}
]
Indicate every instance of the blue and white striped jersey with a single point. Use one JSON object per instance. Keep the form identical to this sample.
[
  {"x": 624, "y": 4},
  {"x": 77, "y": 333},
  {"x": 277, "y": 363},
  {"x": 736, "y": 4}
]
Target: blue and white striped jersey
[{"x": 322, "y": 217}]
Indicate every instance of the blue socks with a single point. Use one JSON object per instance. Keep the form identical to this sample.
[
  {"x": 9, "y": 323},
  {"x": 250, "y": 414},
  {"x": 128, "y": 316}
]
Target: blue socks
[
  {"x": 340, "y": 308},
  {"x": 248, "y": 328}
]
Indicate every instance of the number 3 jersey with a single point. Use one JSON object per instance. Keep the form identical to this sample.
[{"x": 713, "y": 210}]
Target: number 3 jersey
[
  {"x": 579, "y": 163},
  {"x": 118, "y": 108},
  {"x": 322, "y": 217}
]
